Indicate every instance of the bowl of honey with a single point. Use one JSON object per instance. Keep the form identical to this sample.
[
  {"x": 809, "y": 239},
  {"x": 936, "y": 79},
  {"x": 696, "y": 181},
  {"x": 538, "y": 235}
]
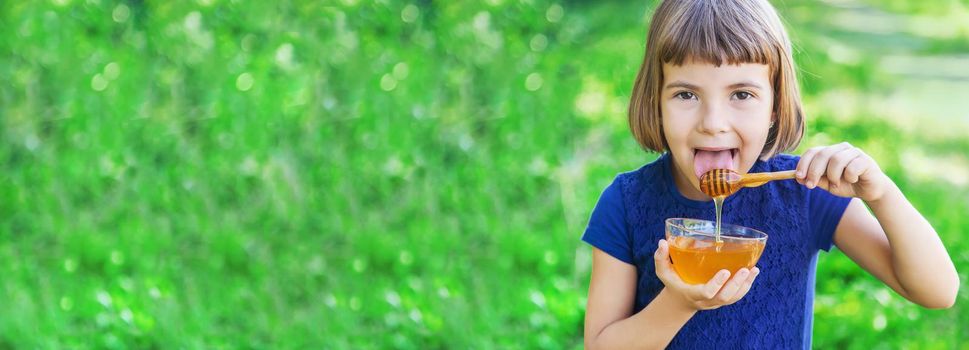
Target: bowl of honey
[{"x": 698, "y": 251}]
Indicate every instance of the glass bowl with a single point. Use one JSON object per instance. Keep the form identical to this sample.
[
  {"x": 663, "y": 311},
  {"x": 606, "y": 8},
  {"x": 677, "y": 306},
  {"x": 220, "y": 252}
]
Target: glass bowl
[{"x": 697, "y": 255}]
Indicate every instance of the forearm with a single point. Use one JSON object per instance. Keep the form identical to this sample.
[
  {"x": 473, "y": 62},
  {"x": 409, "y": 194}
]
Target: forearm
[
  {"x": 652, "y": 328},
  {"x": 920, "y": 262}
]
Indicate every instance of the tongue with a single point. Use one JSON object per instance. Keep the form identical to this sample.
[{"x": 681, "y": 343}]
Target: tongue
[{"x": 704, "y": 161}]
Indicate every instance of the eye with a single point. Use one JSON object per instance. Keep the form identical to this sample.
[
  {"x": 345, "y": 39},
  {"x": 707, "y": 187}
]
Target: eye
[
  {"x": 685, "y": 95},
  {"x": 742, "y": 95}
]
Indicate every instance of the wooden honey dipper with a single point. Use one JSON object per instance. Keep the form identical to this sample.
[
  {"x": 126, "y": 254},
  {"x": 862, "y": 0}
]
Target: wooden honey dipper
[{"x": 724, "y": 182}]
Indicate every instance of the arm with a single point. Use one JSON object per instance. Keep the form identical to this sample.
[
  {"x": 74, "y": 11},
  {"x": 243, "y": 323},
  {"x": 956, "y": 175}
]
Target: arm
[
  {"x": 609, "y": 319},
  {"x": 897, "y": 245},
  {"x": 899, "y": 248},
  {"x": 608, "y": 324}
]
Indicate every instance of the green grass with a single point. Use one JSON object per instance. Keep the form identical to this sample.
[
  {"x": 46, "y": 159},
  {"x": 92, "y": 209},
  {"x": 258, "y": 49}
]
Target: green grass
[{"x": 369, "y": 175}]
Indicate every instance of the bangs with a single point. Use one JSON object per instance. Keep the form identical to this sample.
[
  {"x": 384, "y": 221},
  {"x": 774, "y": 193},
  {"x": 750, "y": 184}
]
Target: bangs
[{"x": 712, "y": 32}]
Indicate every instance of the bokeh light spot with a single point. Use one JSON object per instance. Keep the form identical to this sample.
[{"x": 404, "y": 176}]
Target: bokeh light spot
[
  {"x": 410, "y": 13},
  {"x": 533, "y": 82},
  {"x": 244, "y": 82}
]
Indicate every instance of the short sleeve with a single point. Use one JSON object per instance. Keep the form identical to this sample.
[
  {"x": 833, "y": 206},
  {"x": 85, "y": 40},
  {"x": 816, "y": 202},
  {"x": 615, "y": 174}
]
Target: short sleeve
[
  {"x": 825, "y": 211},
  {"x": 607, "y": 228}
]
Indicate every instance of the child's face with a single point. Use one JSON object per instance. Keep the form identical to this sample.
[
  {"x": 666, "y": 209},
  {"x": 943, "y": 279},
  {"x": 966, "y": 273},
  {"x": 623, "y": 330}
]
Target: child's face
[{"x": 714, "y": 117}]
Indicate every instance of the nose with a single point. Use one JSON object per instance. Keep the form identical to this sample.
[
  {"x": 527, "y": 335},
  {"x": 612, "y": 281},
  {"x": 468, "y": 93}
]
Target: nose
[{"x": 714, "y": 119}]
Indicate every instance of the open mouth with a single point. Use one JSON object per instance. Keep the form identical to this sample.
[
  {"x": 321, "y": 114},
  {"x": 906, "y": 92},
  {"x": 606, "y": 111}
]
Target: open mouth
[{"x": 708, "y": 158}]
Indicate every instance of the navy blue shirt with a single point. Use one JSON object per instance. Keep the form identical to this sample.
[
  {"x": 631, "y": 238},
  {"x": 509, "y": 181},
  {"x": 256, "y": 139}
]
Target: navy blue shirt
[{"x": 629, "y": 220}]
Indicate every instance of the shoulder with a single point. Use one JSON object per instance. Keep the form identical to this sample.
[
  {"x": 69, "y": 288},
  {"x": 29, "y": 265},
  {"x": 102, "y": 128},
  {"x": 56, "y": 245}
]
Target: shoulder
[
  {"x": 611, "y": 200},
  {"x": 649, "y": 174},
  {"x": 612, "y": 195},
  {"x": 628, "y": 187}
]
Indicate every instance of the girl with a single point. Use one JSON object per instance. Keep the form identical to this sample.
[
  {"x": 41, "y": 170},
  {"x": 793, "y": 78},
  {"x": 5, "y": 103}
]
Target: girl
[{"x": 717, "y": 89}]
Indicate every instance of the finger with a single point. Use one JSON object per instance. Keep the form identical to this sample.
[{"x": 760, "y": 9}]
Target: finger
[
  {"x": 836, "y": 165},
  {"x": 855, "y": 169},
  {"x": 709, "y": 290},
  {"x": 745, "y": 287},
  {"x": 704, "y": 296},
  {"x": 805, "y": 161},
  {"x": 820, "y": 163},
  {"x": 664, "y": 268},
  {"x": 729, "y": 290},
  {"x": 823, "y": 183}
]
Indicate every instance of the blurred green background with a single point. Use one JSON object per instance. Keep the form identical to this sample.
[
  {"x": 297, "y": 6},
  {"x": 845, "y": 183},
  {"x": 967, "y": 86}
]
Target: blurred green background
[{"x": 357, "y": 174}]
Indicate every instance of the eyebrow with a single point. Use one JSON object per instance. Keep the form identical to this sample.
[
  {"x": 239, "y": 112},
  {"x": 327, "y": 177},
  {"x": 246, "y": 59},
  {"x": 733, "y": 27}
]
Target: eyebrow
[
  {"x": 685, "y": 85},
  {"x": 681, "y": 84},
  {"x": 745, "y": 83}
]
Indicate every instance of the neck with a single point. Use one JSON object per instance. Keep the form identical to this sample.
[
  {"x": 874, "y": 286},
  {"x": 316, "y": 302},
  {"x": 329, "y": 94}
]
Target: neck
[{"x": 685, "y": 186}]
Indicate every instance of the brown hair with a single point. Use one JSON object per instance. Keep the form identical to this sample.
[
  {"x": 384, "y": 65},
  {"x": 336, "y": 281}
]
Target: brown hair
[{"x": 717, "y": 31}]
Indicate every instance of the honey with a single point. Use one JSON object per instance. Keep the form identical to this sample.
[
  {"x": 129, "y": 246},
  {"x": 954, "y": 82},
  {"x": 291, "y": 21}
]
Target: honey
[{"x": 698, "y": 260}]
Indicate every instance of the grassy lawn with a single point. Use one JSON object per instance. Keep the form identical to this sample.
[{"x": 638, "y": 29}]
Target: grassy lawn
[{"x": 359, "y": 174}]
